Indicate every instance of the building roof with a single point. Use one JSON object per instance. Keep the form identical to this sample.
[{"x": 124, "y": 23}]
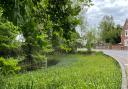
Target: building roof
[{"x": 126, "y": 25}]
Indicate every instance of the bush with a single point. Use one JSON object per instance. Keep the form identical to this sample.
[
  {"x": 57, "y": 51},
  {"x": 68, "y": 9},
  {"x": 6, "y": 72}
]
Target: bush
[
  {"x": 8, "y": 43},
  {"x": 8, "y": 66}
]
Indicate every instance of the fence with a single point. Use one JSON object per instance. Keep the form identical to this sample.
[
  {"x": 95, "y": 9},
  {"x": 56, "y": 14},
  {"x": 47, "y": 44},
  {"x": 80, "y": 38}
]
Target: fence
[{"x": 114, "y": 47}]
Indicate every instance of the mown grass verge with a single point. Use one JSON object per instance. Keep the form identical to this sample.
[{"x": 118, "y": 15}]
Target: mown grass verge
[{"x": 77, "y": 71}]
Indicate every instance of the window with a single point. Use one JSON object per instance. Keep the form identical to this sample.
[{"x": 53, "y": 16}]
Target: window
[{"x": 126, "y": 33}]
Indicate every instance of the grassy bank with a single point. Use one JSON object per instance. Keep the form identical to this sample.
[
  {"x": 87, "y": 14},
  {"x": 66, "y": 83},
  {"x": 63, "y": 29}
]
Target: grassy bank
[{"x": 72, "y": 72}]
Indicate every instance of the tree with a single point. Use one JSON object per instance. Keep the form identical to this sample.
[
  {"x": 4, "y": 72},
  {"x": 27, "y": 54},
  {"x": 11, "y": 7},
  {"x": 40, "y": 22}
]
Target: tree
[
  {"x": 90, "y": 36},
  {"x": 8, "y": 33},
  {"x": 63, "y": 15},
  {"x": 26, "y": 18},
  {"x": 58, "y": 13},
  {"x": 110, "y": 33},
  {"x": 34, "y": 34},
  {"x": 42, "y": 22},
  {"x": 117, "y": 37}
]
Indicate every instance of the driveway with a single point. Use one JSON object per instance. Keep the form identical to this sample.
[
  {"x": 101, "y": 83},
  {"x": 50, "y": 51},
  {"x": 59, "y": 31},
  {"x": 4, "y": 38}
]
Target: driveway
[{"x": 122, "y": 57}]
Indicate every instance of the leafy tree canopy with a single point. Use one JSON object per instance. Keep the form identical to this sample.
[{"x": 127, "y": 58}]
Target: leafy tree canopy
[{"x": 110, "y": 32}]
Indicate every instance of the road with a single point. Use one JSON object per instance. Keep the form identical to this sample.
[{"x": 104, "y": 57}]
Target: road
[{"x": 122, "y": 57}]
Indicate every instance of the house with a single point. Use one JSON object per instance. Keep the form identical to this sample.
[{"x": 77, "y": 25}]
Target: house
[{"x": 124, "y": 35}]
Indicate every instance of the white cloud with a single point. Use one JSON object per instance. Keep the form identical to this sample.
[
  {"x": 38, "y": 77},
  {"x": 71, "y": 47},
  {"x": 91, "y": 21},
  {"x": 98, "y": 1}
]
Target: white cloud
[{"x": 117, "y": 8}]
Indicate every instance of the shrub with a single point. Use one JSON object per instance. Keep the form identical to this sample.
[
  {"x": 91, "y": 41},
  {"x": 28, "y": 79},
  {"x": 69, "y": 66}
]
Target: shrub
[
  {"x": 8, "y": 66},
  {"x": 8, "y": 43}
]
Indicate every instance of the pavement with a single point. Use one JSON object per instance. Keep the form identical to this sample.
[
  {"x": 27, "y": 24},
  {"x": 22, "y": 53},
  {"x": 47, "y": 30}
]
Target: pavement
[{"x": 122, "y": 57}]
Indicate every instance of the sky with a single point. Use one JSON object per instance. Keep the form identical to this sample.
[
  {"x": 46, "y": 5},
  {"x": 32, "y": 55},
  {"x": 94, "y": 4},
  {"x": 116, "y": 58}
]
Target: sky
[{"x": 117, "y": 8}]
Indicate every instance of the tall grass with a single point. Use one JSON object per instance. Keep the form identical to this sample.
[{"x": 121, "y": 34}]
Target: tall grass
[{"x": 72, "y": 72}]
